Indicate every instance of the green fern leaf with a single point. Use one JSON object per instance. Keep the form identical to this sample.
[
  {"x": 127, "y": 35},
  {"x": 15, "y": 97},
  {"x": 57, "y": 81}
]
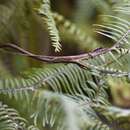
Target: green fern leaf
[{"x": 47, "y": 16}]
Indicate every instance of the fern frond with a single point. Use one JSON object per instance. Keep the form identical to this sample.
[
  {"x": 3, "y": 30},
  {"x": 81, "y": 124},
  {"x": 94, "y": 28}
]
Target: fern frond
[
  {"x": 123, "y": 59},
  {"x": 10, "y": 119},
  {"x": 114, "y": 28},
  {"x": 46, "y": 15},
  {"x": 109, "y": 71},
  {"x": 15, "y": 88},
  {"x": 123, "y": 8},
  {"x": 69, "y": 79}
]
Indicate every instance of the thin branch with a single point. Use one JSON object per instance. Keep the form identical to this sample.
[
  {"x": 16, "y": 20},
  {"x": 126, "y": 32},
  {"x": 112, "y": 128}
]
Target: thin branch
[
  {"x": 58, "y": 59},
  {"x": 65, "y": 59},
  {"x": 76, "y": 59}
]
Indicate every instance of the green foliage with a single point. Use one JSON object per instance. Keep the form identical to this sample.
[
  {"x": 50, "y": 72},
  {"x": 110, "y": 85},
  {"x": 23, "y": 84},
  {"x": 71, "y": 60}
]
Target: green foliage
[
  {"x": 10, "y": 119},
  {"x": 70, "y": 95},
  {"x": 45, "y": 11}
]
